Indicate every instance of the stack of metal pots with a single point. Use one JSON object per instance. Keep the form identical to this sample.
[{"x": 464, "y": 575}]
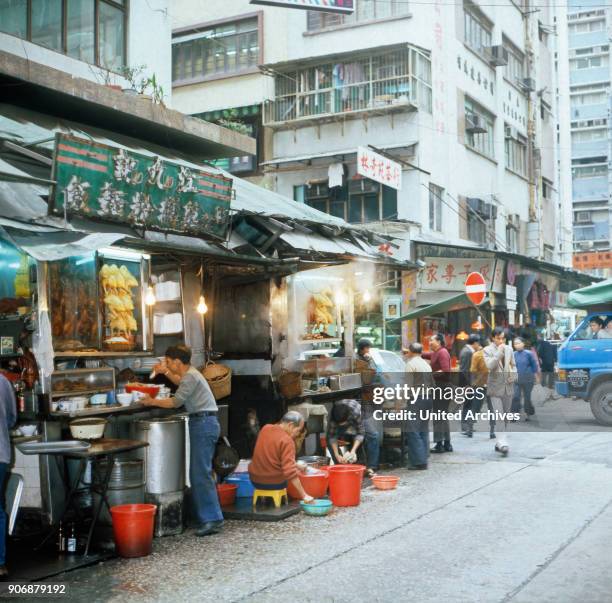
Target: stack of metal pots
[{"x": 164, "y": 459}]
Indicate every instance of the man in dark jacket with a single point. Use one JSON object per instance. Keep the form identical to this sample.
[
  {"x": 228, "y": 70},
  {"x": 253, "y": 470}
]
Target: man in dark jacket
[
  {"x": 465, "y": 379},
  {"x": 547, "y": 353}
]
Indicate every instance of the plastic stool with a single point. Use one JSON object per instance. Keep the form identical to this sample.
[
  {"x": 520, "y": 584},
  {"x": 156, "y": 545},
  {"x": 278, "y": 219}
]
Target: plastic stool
[{"x": 276, "y": 495}]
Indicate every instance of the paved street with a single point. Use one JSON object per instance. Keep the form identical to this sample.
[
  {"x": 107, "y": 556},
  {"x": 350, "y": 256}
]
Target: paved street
[{"x": 534, "y": 526}]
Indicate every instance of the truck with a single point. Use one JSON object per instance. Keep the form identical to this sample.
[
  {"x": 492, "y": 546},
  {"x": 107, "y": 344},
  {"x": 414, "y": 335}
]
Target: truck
[{"x": 584, "y": 360}]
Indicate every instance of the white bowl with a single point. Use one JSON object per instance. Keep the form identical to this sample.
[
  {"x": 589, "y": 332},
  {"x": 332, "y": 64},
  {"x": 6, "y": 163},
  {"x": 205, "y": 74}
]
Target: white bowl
[
  {"x": 124, "y": 399},
  {"x": 28, "y": 430},
  {"x": 88, "y": 429}
]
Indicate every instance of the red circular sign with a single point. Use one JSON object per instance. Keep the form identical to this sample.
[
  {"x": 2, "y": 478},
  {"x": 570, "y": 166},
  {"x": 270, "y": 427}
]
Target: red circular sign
[{"x": 476, "y": 287}]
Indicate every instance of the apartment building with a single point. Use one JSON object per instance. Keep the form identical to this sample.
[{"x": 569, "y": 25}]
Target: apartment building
[
  {"x": 464, "y": 96},
  {"x": 92, "y": 39},
  {"x": 589, "y": 63}
]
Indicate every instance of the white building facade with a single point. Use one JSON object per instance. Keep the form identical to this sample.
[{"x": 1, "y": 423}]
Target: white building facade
[
  {"x": 464, "y": 96},
  {"x": 589, "y": 30}
]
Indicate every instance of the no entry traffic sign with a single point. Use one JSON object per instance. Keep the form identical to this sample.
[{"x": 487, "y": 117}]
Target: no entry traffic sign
[{"x": 475, "y": 288}]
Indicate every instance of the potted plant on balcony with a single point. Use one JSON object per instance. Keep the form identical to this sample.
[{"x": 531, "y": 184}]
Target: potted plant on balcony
[{"x": 132, "y": 75}]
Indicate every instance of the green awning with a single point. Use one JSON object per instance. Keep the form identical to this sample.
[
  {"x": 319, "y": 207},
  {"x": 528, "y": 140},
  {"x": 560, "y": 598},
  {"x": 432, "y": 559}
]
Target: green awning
[
  {"x": 594, "y": 295},
  {"x": 456, "y": 302}
]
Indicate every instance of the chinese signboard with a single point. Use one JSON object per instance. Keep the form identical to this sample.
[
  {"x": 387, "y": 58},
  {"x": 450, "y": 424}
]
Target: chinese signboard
[
  {"x": 117, "y": 185},
  {"x": 449, "y": 274},
  {"x": 329, "y": 6},
  {"x": 376, "y": 167}
]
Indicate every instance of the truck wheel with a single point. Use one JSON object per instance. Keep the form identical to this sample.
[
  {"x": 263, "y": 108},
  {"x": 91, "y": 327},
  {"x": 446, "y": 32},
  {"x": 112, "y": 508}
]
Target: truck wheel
[{"x": 601, "y": 403}]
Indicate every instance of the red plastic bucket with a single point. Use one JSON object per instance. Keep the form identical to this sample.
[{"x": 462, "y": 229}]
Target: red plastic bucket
[
  {"x": 133, "y": 529},
  {"x": 314, "y": 484},
  {"x": 227, "y": 494},
  {"x": 345, "y": 484}
]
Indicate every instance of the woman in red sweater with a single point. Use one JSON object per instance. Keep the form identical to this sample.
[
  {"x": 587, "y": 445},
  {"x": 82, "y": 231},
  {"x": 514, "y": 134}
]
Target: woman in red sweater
[{"x": 273, "y": 464}]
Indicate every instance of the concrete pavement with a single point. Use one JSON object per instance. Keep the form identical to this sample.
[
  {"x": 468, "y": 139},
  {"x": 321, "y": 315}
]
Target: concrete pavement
[{"x": 534, "y": 526}]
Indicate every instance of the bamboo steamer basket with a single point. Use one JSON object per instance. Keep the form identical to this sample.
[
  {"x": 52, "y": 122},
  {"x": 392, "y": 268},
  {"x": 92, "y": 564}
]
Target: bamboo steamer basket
[
  {"x": 219, "y": 378},
  {"x": 290, "y": 384}
]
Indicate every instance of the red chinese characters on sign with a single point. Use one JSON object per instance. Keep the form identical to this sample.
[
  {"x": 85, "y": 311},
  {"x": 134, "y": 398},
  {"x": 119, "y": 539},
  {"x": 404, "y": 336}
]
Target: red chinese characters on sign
[
  {"x": 379, "y": 168},
  {"x": 449, "y": 274}
]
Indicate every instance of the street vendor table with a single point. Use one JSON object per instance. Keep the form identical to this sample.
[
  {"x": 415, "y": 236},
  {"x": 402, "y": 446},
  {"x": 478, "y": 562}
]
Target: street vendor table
[{"x": 106, "y": 448}]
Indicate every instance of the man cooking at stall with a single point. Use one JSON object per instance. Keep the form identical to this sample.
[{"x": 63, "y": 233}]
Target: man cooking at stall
[
  {"x": 195, "y": 395},
  {"x": 273, "y": 465}
]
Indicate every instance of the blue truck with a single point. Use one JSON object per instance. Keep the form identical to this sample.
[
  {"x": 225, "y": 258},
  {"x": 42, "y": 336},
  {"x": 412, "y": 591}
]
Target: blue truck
[{"x": 584, "y": 360}]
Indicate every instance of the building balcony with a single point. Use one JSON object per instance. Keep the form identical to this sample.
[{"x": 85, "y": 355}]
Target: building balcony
[
  {"x": 598, "y": 231},
  {"x": 587, "y": 76},
  {"x": 587, "y": 189},
  {"x": 595, "y": 148},
  {"x": 349, "y": 85},
  {"x": 590, "y": 38},
  {"x": 580, "y": 112}
]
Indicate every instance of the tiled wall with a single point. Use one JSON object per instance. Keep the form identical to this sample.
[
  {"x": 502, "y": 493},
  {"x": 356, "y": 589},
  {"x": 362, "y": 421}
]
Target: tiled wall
[{"x": 28, "y": 466}]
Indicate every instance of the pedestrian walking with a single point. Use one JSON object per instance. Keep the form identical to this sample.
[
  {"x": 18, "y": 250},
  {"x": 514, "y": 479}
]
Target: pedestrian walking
[
  {"x": 440, "y": 362},
  {"x": 480, "y": 376},
  {"x": 8, "y": 416},
  {"x": 465, "y": 379},
  {"x": 499, "y": 359},
  {"x": 195, "y": 395},
  {"x": 547, "y": 353},
  {"x": 527, "y": 369},
  {"x": 418, "y": 373}
]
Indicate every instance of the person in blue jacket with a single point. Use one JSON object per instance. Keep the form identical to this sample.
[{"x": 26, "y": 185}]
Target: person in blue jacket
[{"x": 527, "y": 368}]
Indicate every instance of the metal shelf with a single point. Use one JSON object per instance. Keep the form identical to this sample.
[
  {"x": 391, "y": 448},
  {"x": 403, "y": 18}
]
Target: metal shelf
[
  {"x": 84, "y": 392},
  {"x": 101, "y": 410},
  {"x": 101, "y": 354}
]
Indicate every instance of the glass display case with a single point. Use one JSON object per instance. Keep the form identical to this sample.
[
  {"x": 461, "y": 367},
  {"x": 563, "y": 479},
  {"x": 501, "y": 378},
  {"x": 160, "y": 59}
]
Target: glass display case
[
  {"x": 317, "y": 371},
  {"x": 82, "y": 382},
  {"x": 96, "y": 303},
  {"x": 73, "y": 304},
  {"x": 17, "y": 281},
  {"x": 121, "y": 285}
]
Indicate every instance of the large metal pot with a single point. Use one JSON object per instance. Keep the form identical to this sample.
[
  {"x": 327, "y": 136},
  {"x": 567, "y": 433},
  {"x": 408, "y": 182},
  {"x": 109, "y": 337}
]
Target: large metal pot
[
  {"x": 315, "y": 461},
  {"x": 126, "y": 485},
  {"x": 165, "y": 455}
]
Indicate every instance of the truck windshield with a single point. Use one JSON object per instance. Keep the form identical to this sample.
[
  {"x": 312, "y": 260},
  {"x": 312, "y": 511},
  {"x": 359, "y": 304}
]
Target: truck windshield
[{"x": 597, "y": 326}]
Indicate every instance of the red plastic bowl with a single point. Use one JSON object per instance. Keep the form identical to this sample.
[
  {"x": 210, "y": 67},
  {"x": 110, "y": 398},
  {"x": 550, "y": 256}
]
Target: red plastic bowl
[
  {"x": 385, "y": 482},
  {"x": 151, "y": 390},
  {"x": 314, "y": 484},
  {"x": 226, "y": 493}
]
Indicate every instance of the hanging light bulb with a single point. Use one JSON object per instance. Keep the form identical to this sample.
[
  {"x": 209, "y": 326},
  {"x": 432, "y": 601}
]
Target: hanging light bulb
[
  {"x": 367, "y": 296},
  {"x": 202, "y": 308},
  {"x": 150, "y": 299},
  {"x": 340, "y": 297}
]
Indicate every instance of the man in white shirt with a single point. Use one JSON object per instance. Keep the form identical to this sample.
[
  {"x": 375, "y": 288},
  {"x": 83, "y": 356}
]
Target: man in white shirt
[{"x": 418, "y": 373}]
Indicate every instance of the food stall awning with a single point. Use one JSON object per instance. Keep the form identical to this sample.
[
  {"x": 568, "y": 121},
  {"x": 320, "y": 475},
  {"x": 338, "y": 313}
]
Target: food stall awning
[
  {"x": 339, "y": 155},
  {"x": 316, "y": 242},
  {"x": 598, "y": 294},
  {"x": 456, "y": 302}
]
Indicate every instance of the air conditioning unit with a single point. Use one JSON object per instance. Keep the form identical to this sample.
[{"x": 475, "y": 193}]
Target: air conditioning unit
[
  {"x": 528, "y": 84},
  {"x": 498, "y": 55},
  {"x": 474, "y": 124},
  {"x": 511, "y": 132},
  {"x": 583, "y": 217},
  {"x": 585, "y": 245},
  {"x": 476, "y": 205}
]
